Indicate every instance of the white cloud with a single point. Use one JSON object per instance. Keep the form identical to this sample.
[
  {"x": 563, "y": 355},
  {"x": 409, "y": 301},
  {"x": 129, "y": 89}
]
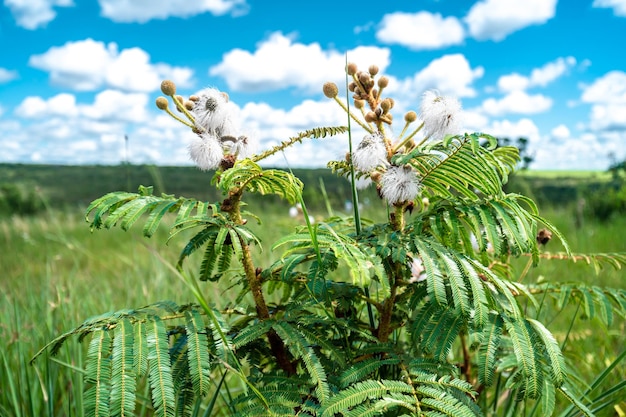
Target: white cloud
[
  {"x": 7, "y": 75},
  {"x": 35, "y": 107},
  {"x": 524, "y": 127},
  {"x": 88, "y": 65},
  {"x": 450, "y": 75},
  {"x": 33, "y": 14},
  {"x": 541, "y": 76},
  {"x": 496, "y": 19},
  {"x": 118, "y": 106},
  {"x": 108, "y": 105},
  {"x": 608, "y": 117},
  {"x": 610, "y": 88},
  {"x": 618, "y": 6},
  {"x": 608, "y": 96},
  {"x": 561, "y": 132},
  {"x": 517, "y": 102},
  {"x": 279, "y": 62},
  {"x": 420, "y": 30},
  {"x": 142, "y": 11}
]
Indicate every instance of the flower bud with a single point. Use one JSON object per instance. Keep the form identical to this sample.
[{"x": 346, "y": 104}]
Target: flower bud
[
  {"x": 189, "y": 105},
  {"x": 352, "y": 68},
  {"x": 168, "y": 88},
  {"x": 359, "y": 104},
  {"x": 364, "y": 78},
  {"x": 194, "y": 98},
  {"x": 383, "y": 82},
  {"x": 410, "y": 117},
  {"x": 373, "y": 70},
  {"x": 385, "y": 105},
  {"x": 330, "y": 90},
  {"x": 352, "y": 86},
  {"x": 162, "y": 103},
  {"x": 371, "y": 117}
]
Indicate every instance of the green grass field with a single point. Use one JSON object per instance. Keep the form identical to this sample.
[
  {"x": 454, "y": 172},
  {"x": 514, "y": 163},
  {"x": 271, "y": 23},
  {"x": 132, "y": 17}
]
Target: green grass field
[{"x": 56, "y": 273}]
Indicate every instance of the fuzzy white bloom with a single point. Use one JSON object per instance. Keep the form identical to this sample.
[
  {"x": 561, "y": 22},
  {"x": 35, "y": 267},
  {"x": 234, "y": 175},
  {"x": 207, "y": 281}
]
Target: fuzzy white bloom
[
  {"x": 441, "y": 115},
  {"x": 418, "y": 273},
  {"x": 206, "y": 151},
  {"x": 399, "y": 184},
  {"x": 214, "y": 114},
  {"x": 370, "y": 153},
  {"x": 242, "y": 147}
]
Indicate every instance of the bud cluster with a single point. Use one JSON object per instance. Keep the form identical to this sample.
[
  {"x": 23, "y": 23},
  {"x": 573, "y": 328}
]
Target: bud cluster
[
  {"x": 218, "y": 142},
  {"x": 374, "y": 156}
]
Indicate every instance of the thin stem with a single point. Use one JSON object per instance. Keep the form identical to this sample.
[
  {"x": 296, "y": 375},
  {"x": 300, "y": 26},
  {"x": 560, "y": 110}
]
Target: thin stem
[
  {"x": 360, "y": 123},
  {"x": 186, "y": 123},
  {"x": 467, "y": 365},
  {"x": 181, "y": 107},
  {"x": 408, "y": 138}
]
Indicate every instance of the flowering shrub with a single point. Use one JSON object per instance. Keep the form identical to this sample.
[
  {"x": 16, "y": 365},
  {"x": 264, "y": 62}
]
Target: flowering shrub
[{"x": 419, "y": 315}]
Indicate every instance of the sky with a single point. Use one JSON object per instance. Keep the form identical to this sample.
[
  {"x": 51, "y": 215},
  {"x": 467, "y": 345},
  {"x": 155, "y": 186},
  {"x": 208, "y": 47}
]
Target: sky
[{"x": 78, "y": 76}]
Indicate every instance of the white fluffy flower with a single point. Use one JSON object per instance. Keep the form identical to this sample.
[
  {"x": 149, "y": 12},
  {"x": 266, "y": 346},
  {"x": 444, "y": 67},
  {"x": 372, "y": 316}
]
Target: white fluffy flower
[
  {"x": 214, "y": 114},
  {"x": 441, "y": 115},
  {"x": 242, "y": 147},
  {"x": 370, "y": 153},
  {"x": 399, "y": 184},
  {"x": 206, "y": 151}
]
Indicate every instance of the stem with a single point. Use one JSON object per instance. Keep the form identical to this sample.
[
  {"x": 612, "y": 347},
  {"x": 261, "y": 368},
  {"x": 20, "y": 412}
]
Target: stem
[
  {"x": 408, "y": 138},
  {"x": 360, "y": 123},
  {"x": 255, "y": 283},
  {"x": 467, "y": 365}
]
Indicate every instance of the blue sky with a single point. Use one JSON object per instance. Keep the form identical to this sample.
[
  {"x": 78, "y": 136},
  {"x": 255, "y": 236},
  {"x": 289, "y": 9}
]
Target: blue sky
[{"x": 76, "y": 76}]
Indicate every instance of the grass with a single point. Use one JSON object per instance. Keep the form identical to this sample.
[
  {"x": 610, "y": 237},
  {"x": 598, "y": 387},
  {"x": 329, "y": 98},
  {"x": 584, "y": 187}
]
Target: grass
[{"x": 56, "y": 273}]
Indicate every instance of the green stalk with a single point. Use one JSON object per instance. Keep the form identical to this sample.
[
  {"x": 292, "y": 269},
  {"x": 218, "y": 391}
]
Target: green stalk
[{"x": 355, "y": 195}]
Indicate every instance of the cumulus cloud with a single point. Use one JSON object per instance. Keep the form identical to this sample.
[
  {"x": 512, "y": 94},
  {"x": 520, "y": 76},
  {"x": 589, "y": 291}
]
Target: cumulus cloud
[
  {"x": 618, "y": 6},
  {"x": 88, "y": 65},
  {"x": 7, "y": 75},
  {"x": 610, "y": 88},
  {"x": 108, "y": 105},
  {"x": 608, "y": 96},
  {"x": 517, "y": 102},
  {"x": 560, "y": 132},
  {"x": 422, "y": 30},
  {"x": 496, "y": 19},
  {"x": 307, "y": 67},
  {"x": 33, "y": 14},
  {"x": 524, "y": 127},
  {"x": 141, "y": 11},
  {"x": 449, "y": 75},
  {"x": 539, "y": 77}
]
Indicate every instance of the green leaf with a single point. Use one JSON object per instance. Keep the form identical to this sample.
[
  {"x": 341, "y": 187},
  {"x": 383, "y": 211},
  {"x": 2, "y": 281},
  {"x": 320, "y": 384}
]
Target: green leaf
[
  {"x": 160, "y": 371},
  {"x": 123, "y": 379},
  {"x": 198, "y": 353}
]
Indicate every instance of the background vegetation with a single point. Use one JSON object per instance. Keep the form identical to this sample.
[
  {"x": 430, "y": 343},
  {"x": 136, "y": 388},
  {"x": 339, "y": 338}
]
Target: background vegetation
[{"x": 51, "y": 264}]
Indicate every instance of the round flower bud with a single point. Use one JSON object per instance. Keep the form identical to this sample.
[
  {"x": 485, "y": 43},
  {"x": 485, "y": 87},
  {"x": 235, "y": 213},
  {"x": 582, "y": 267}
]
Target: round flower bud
[
  {"x": 385, "y": 105},
  {"x": 371, "y": 117},
  {"x": 330, "y": 90},
  {"x": 352, "y": 86},
  {"x": 383, "y": 82},
  {"x": 373, "y": 70},
  {"x": 359, "y": 104},
  {"x": 189, "y": 105},
  {"x": 168, "y": 88},
  {"x": 352, "y": 68},
  {"x": 375, "y": 176},
  {"x": 194, "y": 98},
  {"x": 364, "y": 78},
  {"x": 410, "y": 117},
  {"x": 162, "y": 103}
]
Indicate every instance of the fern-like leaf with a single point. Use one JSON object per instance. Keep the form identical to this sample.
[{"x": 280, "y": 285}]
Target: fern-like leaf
[
  {"x": 198, "y": 353},
  {"x": 123, "y": 379},
  {"x": 300, "y": 349},
  {"x": 98, "y": 375},
  {"x": 160, "y": 371},
  {"x": 359, "y": 393}
]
